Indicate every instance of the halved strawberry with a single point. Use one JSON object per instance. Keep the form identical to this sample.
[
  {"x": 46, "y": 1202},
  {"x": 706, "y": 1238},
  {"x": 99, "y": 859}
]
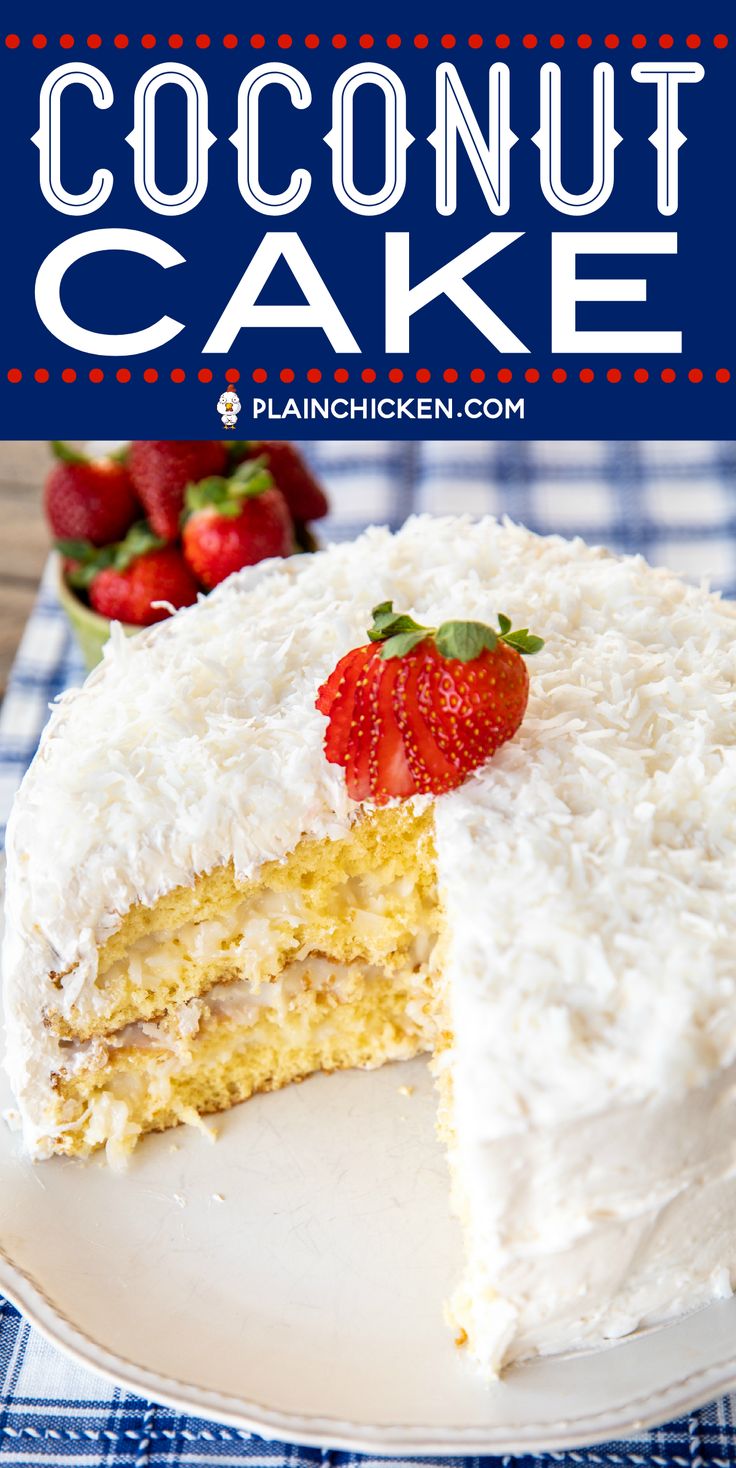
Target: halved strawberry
[
  {"x": 337, "y": 700},
  {"x": 362, "y": 732},
  {"x": 339, "y": 681},
  {"x": 393, "y": 776},
  {"x": 429, "y": 767},
  {"x": 417, "y": 708},
  {"x": 468, "y": 707},
  {"x": 443, "y": 726}
]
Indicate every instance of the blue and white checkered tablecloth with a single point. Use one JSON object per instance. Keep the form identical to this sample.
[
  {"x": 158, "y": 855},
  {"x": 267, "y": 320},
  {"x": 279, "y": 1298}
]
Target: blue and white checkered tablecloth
[{"x": 676, "y": 502}]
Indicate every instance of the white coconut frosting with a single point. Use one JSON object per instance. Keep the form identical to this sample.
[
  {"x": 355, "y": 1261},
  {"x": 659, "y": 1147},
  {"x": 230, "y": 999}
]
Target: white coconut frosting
[{"x": 588, "y": 876}]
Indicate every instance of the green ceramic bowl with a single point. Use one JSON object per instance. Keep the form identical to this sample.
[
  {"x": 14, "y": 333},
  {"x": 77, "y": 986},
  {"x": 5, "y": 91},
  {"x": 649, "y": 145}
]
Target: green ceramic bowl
[{"x": 91, "y": 630}]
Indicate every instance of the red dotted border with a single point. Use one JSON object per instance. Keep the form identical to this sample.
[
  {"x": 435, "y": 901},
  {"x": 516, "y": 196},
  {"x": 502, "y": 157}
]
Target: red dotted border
[
  {"x": 394, "y": 375},
  {"x": 420, "y": 42}
]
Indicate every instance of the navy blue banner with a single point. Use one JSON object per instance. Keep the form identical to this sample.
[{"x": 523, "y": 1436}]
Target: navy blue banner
[{"x": 475, "y": 221}]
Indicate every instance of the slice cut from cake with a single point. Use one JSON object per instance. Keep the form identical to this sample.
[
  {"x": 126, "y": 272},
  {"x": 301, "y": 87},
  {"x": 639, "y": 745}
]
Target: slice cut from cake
[
  {"x": 234, "y": 985},
  {"x": 197, "y": 910}
]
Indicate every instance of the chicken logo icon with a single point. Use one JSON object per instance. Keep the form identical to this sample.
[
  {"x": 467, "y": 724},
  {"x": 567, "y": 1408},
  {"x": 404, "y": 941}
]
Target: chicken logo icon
[{"x": 228, "y": 407}]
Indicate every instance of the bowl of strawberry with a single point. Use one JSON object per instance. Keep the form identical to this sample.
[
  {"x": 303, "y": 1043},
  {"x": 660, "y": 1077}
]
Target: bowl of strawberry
[{"x": 145, "y": 531}]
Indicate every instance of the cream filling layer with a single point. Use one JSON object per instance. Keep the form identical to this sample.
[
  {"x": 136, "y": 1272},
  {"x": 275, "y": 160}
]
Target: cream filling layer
[
  {"x": 241, "y": 1003},
  {"x": 253, "y": 937},
  {"x": 210, "y": 1052}
]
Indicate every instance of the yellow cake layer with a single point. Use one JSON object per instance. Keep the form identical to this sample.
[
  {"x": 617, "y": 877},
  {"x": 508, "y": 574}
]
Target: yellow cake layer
[
  {"x": 367, "y": 895},
  {"x": 203, "y": 1059}
]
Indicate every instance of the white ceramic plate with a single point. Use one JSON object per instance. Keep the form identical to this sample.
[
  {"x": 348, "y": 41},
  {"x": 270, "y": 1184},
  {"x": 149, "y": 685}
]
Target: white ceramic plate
[{"x": 307, "y": 1304}]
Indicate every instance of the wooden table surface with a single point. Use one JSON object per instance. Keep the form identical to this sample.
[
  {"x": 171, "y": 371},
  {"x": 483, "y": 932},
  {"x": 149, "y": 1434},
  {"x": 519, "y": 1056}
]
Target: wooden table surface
[{"x": 24, "y": 540}]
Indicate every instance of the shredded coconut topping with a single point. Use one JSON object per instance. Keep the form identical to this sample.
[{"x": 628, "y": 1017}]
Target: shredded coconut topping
[{"x": 587, "y": 870}]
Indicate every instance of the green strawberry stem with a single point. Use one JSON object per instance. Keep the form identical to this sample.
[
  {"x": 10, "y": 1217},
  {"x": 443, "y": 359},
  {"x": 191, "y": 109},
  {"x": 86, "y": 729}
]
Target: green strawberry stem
[
  {"x": 65, "y": 454},
  {"x": 228, "y": 496},
  {"x": 462, "y": 641},
  {"x": 62, "y": 451},
  {"x": 237, "y": 448},
  {"x": 92, "y": 559}
]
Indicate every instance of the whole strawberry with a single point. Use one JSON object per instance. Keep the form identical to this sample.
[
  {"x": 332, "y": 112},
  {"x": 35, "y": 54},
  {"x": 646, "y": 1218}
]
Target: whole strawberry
[
  {"x": 162, "y": 469},
  {"x": 417, "y": 708},
  {"x": 234, "y": 523},
  {"x": 89, "y": 499},
  {"x": 125, "y": 580},
  {"x": 303, "y": 493}
]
